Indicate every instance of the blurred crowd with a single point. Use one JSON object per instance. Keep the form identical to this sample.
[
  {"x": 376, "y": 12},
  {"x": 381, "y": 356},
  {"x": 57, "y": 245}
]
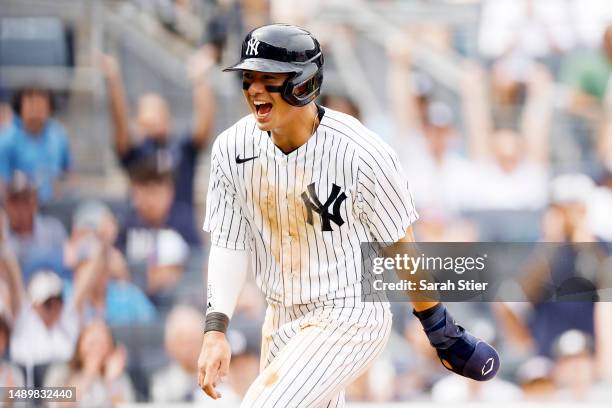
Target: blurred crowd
[{"x": 107, "y": 293}]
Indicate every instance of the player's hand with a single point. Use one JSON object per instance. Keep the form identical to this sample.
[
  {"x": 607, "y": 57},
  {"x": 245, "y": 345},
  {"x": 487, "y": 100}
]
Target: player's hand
[{"x": 213, "y": 363}]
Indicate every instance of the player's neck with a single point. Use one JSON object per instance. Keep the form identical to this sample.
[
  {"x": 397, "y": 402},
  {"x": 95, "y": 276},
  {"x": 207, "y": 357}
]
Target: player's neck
[{"x": 297, "y": 132}]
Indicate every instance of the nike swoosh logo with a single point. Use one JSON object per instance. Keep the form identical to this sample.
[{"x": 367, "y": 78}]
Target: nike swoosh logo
[{"x": 246, "y": 159}]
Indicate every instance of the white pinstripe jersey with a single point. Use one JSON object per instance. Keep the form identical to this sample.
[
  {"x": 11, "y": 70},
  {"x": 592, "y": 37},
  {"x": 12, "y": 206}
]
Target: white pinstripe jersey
[{"x": 304, "y": 214}]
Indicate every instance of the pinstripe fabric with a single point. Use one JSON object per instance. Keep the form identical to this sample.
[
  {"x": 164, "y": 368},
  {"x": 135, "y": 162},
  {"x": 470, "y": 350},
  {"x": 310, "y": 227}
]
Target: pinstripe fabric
[
  {"x": 261, "y": 205},
  {"x": 311, "y": 352},
  {"x": 303, "y": 216}
]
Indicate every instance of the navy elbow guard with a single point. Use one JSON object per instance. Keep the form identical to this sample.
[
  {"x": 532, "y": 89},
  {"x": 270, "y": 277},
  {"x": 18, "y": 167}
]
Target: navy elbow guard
[{"x": 458, "y": 350}]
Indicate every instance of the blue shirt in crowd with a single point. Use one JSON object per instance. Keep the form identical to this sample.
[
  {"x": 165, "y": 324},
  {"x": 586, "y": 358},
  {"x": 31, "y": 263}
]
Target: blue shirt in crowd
[
  {"x": 125, "y": 304},
  {"x": 44, "y": 157},
  {"x": 42, "y": 249}
]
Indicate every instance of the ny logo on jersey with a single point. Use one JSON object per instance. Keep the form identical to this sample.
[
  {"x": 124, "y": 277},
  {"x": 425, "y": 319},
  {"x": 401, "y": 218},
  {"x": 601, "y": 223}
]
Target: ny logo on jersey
[
  {"x": 252, "y": 47},
  {"x": 312, "y": 203}
]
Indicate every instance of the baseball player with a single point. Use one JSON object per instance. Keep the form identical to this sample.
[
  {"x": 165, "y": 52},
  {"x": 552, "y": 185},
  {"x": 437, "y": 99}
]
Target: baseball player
[{"x": 294, "y": 189}]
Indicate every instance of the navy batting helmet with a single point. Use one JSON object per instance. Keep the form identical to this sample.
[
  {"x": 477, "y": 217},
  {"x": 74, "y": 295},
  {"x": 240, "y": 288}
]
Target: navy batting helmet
[{"x": 283, "y": 48}]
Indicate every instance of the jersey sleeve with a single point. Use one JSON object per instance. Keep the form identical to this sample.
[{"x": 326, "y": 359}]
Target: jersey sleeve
[
  {"x": 224, "y": 216},
  {"x": 384, "y": 198}
]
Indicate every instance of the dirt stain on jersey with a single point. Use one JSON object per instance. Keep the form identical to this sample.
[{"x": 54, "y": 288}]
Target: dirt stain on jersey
[
  {"x": 267, "y": 332},
  {"x": 266, "y": 200},
  {"x": 271, "y": 379},
  {"x": 294, "y": 238},
  {"x": 297, "y": 232}
]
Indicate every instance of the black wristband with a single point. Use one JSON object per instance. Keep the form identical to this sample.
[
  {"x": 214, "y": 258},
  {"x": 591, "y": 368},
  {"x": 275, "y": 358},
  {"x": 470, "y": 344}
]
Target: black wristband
[{"x": 216, "y": 321}]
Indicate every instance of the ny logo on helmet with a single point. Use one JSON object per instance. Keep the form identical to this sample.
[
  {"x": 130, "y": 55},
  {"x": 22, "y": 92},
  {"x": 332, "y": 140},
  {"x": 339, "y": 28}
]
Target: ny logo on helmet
[
  {"x": 252, "y": 47},
  {"x": 312, "y": 203}
]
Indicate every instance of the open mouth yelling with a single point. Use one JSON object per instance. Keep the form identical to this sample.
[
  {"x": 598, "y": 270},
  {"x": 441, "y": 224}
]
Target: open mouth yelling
[{"x": 263, "y": 110}]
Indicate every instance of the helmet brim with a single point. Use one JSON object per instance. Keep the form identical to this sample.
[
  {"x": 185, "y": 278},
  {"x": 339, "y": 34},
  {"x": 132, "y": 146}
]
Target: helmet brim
[{"x": 264, "y": 65}]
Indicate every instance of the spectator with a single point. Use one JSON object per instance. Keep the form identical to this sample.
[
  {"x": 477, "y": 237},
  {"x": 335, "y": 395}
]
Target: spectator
[
  {"x": 153, "y": 210},
  {"x": 425, "y": 137},
  {"x": 575, "y": 369},
  {"x": 97, "y": 370},
  {"x": 6, "y": 317},
  {"x": 567, "y": 217},
  {"x": 166, "y": 267},
  {"x": 153, "y": 136},
  {"x": 37, "y": 240},
  {"x": 535, "y": 377},
  {"x": 37, "y": 144},
  {"x": 600, "y": 204},
  {"x": 556, "y": 281},
  {"x": 531, "y": 28},
  {"x": 113, "y": 297},
  {"x": 10, "y": 375},
  {"x": 8, "y": 268},
  {"x": 92, "y": 222},
  {"x": 245, "y": 344},
  {"x": 245, "y": 341},
  {"x": 6, "y": 113},
  {"x": 178, "y": 381},
  {"x": 44, "y": 312},
  {"x": 518, "y": 34},
  {"x": 587, "y": 74},
  {"x": 183, "y": 339},
  {"x": 510, "y": 168},
  {"x": 94, "y": 216},
  {"x": 6, "y": 123},
  {"x": 118, "y": 302}
]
